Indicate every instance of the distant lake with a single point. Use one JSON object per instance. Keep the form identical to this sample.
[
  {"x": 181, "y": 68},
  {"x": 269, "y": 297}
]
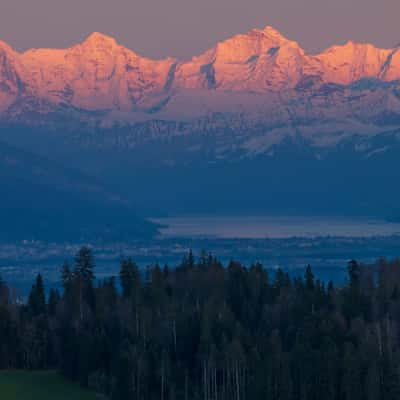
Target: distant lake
[{"x": 259, "y": 227}]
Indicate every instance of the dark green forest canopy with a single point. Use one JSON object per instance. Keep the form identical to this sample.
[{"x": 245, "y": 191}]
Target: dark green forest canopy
[{"x": 207, "y": 331}]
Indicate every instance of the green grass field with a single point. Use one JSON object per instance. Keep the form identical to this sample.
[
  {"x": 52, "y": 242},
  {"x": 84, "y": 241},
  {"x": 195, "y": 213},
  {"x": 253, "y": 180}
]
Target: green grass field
[{"x": 22, "y": 385}]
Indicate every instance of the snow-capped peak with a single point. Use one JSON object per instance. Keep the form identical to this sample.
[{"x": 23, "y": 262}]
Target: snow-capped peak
[
  {"x": 274, "y": 33},
  {"x": 98, "y": 38}
]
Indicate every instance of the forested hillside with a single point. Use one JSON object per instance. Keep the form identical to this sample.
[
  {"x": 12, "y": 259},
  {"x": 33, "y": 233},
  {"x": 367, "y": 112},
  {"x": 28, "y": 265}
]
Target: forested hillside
[{"x": 207, "y": 331}]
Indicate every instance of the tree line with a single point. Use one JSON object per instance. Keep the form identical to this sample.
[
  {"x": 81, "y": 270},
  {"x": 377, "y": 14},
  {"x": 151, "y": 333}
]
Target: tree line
[{"x": 207, "y": 331}]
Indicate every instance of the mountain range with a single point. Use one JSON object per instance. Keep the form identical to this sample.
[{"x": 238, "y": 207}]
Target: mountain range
[
  {"x": 254, "y": 123},
  {"x": 101, "y": 75},
  {"x": 259, "y": 82}
]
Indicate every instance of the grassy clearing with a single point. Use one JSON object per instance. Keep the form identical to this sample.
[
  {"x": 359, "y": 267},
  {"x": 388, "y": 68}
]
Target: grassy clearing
[{"x": 47, "y": 385}]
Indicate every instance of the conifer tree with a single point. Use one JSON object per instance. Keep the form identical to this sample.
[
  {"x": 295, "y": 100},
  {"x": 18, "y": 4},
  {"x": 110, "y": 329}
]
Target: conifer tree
[
  {"x": 129, "y": 277},
  {"x": 84, "y": 265},
  {"x": 54, "y": 300},
  {"x": 37, "y": 297},
  {"x": 309, "y": 278},
  {"x": 83, "y": 278}
]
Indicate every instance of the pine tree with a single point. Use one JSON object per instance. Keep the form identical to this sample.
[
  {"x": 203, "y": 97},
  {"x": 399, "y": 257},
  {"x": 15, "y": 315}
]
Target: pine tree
[
  {"x": 309, "y": 278},
  {"x": 84, "y": 265},
  {"x": 188, "y": 261},
  {"x": 54, "y": 300},
  {"x": 353, "y": 306},
  {"x": 129, "y": 278},
  {"x": 354, "y": 271},
  {"x": 37, "y": 298},
  {"x": 83, "y": 277}
]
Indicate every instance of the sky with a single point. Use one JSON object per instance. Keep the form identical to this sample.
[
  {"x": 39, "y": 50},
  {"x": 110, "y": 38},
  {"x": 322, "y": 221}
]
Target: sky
[{"x": 183, "y": 28}]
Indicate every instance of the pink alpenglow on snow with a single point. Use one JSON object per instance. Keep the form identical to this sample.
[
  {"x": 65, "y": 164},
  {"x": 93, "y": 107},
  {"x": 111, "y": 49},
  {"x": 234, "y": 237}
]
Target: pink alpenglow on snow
[{"x": 101, "y": 75}]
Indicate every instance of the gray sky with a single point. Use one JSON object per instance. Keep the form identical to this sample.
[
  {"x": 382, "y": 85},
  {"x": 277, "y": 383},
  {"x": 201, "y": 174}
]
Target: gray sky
[{"x": 182, "y": 28}]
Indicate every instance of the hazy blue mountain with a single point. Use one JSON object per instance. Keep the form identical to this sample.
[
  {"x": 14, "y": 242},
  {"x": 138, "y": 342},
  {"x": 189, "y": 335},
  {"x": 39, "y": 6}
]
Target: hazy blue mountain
[
  {"x": 42, "y": 200},
  {"x": 184, "y": 174}
]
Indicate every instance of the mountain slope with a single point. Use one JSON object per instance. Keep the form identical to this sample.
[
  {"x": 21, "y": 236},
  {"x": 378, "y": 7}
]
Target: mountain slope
[
  {"x": 41, "y": 200},
  {"x": 260, "y": 60}
]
